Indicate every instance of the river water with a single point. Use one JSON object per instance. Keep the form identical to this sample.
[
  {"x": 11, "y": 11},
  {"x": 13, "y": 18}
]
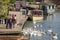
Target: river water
[{"x": 49, "y": 22}]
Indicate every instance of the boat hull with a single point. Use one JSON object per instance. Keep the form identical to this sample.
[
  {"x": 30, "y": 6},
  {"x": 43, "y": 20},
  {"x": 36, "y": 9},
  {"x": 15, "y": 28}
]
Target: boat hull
[{"x": 37, "y": 19}]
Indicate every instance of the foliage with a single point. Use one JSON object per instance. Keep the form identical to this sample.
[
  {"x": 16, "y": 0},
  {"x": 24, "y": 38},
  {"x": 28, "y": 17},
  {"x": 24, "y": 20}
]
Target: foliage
[
  {"x": 12, "y": 1},
  {"x": 6, "y": 1},
  {"x": 4, "y": 8},
  {"x": 29, "y": 0}
]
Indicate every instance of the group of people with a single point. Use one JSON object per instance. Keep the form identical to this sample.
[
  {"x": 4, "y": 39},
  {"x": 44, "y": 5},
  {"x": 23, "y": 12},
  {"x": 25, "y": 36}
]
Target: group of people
[{"x": 11, "y": 21}]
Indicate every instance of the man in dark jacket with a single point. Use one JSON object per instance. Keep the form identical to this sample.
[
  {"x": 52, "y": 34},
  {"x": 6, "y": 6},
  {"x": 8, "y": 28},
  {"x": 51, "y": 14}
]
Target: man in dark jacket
[
  {"x": 9, "y": 23},
  {"x": 44, "y": 10}
]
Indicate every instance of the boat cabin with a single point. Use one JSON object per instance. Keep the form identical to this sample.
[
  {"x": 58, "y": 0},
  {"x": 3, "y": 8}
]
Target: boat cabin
[
  {"x": 37, "y": 15},
  {"x": 48, "y": 7}
]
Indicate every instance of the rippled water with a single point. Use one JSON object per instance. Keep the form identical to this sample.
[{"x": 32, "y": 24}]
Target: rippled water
[{"x": 52, "y": 21}]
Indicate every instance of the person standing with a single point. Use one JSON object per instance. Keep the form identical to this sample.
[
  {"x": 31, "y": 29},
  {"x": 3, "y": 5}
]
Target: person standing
[
  {"x": 13, "y": 21},
  {"x": 9, "y": 23},
  {"x": 44, "y": 10},
  {"x": 26, "y": 11},
  {"x": 0, "y": 21}
]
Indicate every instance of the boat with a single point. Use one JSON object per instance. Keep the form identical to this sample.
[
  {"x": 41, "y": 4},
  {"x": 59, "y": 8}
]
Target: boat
[
  {"x": 48, "y": 7},
  {"x": 37, "y": 15}
]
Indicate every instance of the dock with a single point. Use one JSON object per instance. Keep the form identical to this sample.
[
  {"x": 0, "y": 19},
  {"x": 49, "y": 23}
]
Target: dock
[
  {"x": 21, "y": 19},
  {"x": 14, "y": 37},
  {"x": 14, "y": 33}
]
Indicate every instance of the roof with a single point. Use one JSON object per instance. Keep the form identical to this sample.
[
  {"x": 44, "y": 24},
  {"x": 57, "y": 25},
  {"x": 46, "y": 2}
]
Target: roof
[{"x": 47, "y": 3}]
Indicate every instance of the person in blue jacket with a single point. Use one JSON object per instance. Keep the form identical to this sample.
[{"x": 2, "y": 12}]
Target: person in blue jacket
[{"x": 44, "y": 10}]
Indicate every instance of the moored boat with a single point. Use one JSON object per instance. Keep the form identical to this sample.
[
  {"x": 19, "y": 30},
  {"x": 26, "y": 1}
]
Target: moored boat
[{"x": 37, "y": 15}]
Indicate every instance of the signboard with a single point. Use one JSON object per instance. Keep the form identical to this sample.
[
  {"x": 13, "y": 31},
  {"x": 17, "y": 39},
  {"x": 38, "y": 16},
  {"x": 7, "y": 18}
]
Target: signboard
[
  {"x": 24, "y": 3},
  {"x": 17, "y": 5}
]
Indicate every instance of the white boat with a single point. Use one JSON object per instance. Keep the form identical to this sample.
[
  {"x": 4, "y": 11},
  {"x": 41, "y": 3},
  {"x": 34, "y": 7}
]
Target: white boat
[
  {"x": 48, "y": 7},
  {"x": 37, "y": 15}
]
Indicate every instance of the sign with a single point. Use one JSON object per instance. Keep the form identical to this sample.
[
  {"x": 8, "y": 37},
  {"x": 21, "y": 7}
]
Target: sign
[
  {"x": 46, "y": 0},
  {"x": 17, "y": 4},
  {"x": 24, "y": 3}
]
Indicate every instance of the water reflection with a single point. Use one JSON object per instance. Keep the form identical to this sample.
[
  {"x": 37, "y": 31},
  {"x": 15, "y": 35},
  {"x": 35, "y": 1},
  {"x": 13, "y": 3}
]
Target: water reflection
[{"x": 44, "y": 17}]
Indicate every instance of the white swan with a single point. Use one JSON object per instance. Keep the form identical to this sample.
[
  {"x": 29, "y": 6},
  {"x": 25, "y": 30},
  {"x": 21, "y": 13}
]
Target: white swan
[{"x": 33, "y": 32}]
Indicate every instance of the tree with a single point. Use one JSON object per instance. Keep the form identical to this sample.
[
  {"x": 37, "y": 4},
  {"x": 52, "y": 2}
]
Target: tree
[
  {"x": 30, "y": 0},
  {"x": 4, "y": 8},
  {"x": 6, "y": 1},
  {"x": 12, "y": 1}
]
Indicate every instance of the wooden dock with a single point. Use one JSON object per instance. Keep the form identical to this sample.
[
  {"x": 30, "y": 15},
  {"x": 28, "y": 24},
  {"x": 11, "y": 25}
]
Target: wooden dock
[
  {"x": 10, "y": 37},
  {"x": 21, "y": 19},
  {"x": 14, "y": 33}
]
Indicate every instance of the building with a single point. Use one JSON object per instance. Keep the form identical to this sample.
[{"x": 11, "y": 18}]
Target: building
[
  {"x": 57, "y": 2},
  {"x": 38, "y": 0},
  {"x": 41, "y": 0}
]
